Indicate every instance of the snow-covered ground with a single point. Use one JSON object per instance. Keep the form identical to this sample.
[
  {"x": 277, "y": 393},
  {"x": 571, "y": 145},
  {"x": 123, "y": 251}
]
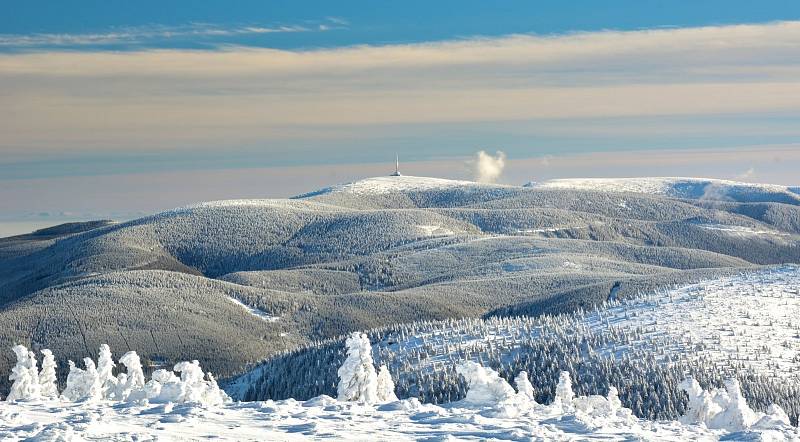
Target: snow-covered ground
[
  {"x": 431, "y": 230},
  {"x": 672, "y": 186},
  {"x": 752, "y": 320},
  {"x": 492, "y": 410},
  {"x": 97, "y": 405},
  {"x": 321, "y": 418},
  {"x": 254, "y": 311},
  {"x": 396, "y": 184},
  {"x": 741, "y": 230}
]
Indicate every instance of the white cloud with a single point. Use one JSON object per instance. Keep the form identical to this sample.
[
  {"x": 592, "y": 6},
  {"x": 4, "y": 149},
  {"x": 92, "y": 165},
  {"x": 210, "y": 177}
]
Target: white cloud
[
  {"x": 139, "y": 34},
  {"x": 747, "y": 174}
]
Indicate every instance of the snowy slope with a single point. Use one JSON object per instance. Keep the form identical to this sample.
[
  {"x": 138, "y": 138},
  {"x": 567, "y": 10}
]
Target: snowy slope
[
  {"x": 750, "y": 320},
  {"x": 744, "y": 325},
  {"x": 399, "y": 184},
  {"x": 679, "y": 187}
]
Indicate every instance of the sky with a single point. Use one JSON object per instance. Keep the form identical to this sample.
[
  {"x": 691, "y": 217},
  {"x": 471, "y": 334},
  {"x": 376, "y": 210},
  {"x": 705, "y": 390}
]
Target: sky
[{"x": 110, "y": 109}]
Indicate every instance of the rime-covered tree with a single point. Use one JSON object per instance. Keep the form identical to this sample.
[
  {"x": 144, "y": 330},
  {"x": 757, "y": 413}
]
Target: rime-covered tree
[
  {"x": 131, "y": 381},
  {"x": 26, "y": 384},
  {"x": 385, "y": 385},
  {"x": 524, "y": 386},
  {"x": 47, "y": 377},
  {"x": 357, "y": 378},
  {"x": 83, "y": 384},
  {"x": 486, "y": 387},
  {"x": 105, "y": 368},
  {"x": 564, "y": 394}
]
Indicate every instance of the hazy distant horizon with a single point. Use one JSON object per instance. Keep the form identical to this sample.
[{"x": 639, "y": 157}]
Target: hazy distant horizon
[
  {"x": 115, "y": 111},
  {"x": 120, "y": 197}
]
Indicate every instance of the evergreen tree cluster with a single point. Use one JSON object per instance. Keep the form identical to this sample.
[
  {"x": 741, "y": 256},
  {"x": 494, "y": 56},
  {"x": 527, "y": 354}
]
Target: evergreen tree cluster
[{"x": 646, "y": 367}]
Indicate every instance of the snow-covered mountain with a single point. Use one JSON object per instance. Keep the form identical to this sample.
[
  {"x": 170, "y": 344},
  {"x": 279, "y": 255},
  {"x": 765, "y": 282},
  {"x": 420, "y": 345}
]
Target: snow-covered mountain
[
  {"x": 400, "y": 184},
  {"x": 680, "y": 187},
  {"x": 259, "y": 277}
]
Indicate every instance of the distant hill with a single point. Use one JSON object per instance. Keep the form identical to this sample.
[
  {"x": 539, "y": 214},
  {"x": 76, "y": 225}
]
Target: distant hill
[{"x": 202, "y": 280}]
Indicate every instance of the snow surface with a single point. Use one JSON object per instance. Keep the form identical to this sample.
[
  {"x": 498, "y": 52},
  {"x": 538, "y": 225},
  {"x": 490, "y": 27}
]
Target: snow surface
[
  {"x": 653, "y": 185},
  {"x": 254, "y": 311},
  {"x": 431, "y": 230},
  {"x": 318, "y": 418},
  {"x": 751, "y": 319},
  {"x": 741, "y": 230},
  {"x": 398, "y": 184},
  {"x": 492, "y": 410}
]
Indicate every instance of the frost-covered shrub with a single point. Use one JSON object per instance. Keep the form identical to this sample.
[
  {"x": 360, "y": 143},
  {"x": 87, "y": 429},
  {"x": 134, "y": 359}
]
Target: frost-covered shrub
[
  {"x": 486, "y": 387},
  {"x": 190, "y": 387},
  {"x": 24, "y": 375},
  {"x": 93, "y": 383},
  {"x": 164, "y": 386},
  {"x": 357, "y": 378},
  {"x": 726, "y": 409},
  {"x": 83, "y": 384}
]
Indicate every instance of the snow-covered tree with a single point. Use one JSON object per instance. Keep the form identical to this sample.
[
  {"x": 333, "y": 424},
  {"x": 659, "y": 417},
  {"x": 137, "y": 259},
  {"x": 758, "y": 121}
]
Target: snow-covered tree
[
  {"x": 94, "y": 389},
  {"x": 25, "y": 376},
  {"x": 33, "y": 370},
  {"x": 357, "y": 378},
  {"x": 75, "y": 388},
  {"x": 524, "y": 386},
  {"x": 486, "y": 387},
  {"x": 701, "y": 406},
  {"x": 130, "y": 384},
  {"x": 105, "y": 368},
  {"x": 83, "y": 384},
  {"x": 192, "y": 385},
  {"x": 213, "y": 394},
  {"x": 47, "y": 377},
  {"x": 727, "y": 409},
  {"x": 564, "y": 393},
  {"x": 385, "y": 386}
]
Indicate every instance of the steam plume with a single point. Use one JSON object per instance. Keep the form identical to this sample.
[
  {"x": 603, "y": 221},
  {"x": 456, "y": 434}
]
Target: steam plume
[{"x": 488, "y": 168}]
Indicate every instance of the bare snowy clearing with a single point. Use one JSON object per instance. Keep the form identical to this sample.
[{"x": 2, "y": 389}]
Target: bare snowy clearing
[
  {"x": 741, "y": 230},
  {"x": 434, "y": 230},
  {"x": 255, "y": 312}
]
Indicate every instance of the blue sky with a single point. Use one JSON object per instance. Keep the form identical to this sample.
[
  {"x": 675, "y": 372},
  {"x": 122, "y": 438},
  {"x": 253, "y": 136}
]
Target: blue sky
[
  {"x": 369, "y": 22},
  {"x": 113, "y": 92}
]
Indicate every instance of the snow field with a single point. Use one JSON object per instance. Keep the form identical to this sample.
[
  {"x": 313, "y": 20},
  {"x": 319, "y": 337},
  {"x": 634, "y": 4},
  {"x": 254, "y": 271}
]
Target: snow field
[{"x": 364, "y": 411}]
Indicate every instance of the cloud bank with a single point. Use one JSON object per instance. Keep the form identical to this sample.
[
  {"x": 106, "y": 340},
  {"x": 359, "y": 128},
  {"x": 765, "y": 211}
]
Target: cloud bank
[{"x": 233, "y": 96}]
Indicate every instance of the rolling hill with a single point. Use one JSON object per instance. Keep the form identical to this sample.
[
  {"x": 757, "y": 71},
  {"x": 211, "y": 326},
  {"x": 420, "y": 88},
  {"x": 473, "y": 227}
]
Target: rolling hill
[{"x": 234, "y": 282}]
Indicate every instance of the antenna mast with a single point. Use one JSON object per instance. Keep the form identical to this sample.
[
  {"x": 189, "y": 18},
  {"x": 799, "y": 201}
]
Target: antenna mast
[{"x": 396, "y": 166}]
